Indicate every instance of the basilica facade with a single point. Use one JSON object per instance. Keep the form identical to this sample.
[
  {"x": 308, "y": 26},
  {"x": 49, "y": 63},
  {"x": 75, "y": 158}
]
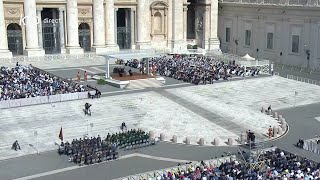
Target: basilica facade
[
  {"x": 39, "y": 27},
  {"x": 284, "y": 31}
]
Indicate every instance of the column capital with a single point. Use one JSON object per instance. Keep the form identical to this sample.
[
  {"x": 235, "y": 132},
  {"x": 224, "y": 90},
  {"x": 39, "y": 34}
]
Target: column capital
[
  {"x": 61, "y": 9},
  {"x": 39, "y": 9},
  {"x": 132, "y": 10},
  {"x": 116, "y": 9}
]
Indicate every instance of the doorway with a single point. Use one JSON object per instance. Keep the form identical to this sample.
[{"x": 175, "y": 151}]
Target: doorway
[
  {"x": 14, "y": 33},
  {"x": 124, "y": 28},
  {"x": 50, "y": 31},
  {"x": 84, "y": 36}
]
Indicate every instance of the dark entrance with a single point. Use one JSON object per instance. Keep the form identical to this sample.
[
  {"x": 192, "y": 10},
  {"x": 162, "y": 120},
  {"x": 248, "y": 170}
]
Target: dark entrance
[
  {"x": 191, "y": 13},
  {"x": 50, "y": 31},
  {"x": 84, "y": 36},
  {"x": 14, "y": 34},
  {"x": 123, "y": 28}
]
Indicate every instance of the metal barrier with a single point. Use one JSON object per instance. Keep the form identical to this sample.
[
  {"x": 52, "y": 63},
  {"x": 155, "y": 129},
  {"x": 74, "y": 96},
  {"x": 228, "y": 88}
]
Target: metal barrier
[
  {"x": 185, "y": 167},
  {"x": 302, "y": 79}
]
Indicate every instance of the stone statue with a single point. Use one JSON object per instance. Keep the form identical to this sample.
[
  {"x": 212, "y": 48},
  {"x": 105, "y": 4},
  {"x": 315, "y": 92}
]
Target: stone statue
[{"x": 200, "y": 23}]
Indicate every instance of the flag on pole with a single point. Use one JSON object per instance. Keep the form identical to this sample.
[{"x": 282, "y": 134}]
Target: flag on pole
[{"x": 61, "y": 134}]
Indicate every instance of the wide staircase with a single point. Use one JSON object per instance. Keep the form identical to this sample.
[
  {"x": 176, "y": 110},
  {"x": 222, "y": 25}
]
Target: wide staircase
[{"x": 144, "y": 83}]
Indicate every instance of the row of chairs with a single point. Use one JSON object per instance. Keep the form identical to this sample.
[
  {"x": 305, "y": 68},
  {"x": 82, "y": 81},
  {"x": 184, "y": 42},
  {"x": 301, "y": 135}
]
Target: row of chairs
[
  {"x": 97, "y": 159},
  {"x": 137, "y": 144}
]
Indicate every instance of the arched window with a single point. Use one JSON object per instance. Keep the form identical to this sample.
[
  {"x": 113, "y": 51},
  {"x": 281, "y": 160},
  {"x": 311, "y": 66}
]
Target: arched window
[
  {"x": 157, "y": 23},
  {"x": 14, "y": 34},
  {"x": 84, "y": 36}
]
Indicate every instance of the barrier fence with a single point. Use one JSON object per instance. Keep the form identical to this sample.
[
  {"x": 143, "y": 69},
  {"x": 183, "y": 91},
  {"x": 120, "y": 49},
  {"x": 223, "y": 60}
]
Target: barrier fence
[
  {"x": 185, "y": 167},
  {"x": 42, "y": 100},
  {"x": 301, "y": 79}
]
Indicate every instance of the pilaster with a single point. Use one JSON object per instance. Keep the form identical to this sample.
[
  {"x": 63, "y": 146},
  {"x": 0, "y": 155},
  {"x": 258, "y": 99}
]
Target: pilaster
[
  {"x": 179, "y": 45},
  {"x": 110, "y": 26},
  {"x": 31, "y": 23},
  {"x": 99, "y": 42},
  {"x": 40, "y": 41},
  {"x": 214, "y": 43},
  {"x": 143, "y": 22},
  {"x": 61, "y": 30},
  {"x": 73, "y": 46},
  {"x": 4, "y": 51}
]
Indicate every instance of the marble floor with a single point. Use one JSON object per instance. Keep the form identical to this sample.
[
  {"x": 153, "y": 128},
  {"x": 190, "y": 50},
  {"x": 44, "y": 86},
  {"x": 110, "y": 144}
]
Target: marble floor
[{"x": 235, "y": 102}]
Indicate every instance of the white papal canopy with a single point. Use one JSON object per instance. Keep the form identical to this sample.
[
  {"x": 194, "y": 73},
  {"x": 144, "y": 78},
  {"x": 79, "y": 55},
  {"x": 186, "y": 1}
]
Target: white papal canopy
[
  {"x": 128, "y": 56},
  {"x": 248, "y": 57}
]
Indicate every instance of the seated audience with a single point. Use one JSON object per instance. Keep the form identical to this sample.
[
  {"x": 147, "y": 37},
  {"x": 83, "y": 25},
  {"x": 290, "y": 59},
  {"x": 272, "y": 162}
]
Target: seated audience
[
  {"x": 27, "y": 81},
  {"x": 272, "y": 165},
  {"x": 199, "y": 69}
]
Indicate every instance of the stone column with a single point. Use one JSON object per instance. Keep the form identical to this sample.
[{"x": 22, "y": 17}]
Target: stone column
[
  {"x": 99, "y": 40},
  {"x": 40, "y": 41},
  {"x": 73, "y": 46},
  {"x": 132, "y": 27},
  {"x": 116, "y": 25},
  {"x": 214, "y": 43},
  {"x": 185, "y": 24},
  {"x": 144, "y": 23},
  {"x": 61, "y": 31},
  {"x": 4, "y": 51},
  {"x": 206, "y": 28},
  {"x": 55, "y": 29},
  {"x": 110, "y": 26},
  {"x": 179, "y": 45},
  {"x": 169, "y": 43},
  {"x": 30, "y": 21}
]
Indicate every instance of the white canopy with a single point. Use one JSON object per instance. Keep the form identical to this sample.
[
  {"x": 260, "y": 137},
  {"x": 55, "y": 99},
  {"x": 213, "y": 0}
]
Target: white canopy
[
  {"x": 128, "y": 55},
  {"x": 248, "y": 57}
]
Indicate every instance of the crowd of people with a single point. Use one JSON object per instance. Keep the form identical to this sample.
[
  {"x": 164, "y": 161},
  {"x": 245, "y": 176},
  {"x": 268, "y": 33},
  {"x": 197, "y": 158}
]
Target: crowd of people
[
  {"x": 272, "y": 165},
  {"x": 89, "y": 151},
  {"x": 122, "y": 71},
  {"x": 96, "y": 149},
  {"x": 199, "y": 69},
  {"x": 26, "y": 81}
]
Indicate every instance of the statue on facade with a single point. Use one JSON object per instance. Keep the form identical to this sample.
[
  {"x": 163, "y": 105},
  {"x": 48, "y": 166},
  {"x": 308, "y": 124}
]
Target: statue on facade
[{"x": 200, "y": 24}]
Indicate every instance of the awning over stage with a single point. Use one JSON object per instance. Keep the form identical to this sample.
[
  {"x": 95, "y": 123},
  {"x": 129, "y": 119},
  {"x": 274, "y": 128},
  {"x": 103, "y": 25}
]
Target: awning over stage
[
  {"x": 131, "y": 55},
  {"x": 248, "y": 57},
  {"x": 128, "y": 55}
]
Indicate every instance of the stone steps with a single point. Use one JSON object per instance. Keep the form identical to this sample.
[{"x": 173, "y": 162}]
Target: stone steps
[{"x": 143, "y": 83}]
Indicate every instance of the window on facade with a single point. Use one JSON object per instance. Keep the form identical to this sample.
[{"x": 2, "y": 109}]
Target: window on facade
[
  {"x": 157, "y": 22},
  {"x": 228, "y": 31},
  {"x": 295, "y": 43},
  {"x": 248, "y": 38},
  {"x": 270, "y": 41}
]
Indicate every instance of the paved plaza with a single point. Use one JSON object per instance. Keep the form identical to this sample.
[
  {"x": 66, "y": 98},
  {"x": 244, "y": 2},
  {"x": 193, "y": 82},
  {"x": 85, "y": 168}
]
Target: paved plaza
[{"x": 220, "y": 110}]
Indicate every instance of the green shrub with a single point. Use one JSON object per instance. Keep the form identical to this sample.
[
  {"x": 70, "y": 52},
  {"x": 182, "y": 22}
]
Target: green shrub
[{"x": 101, "y": 82}]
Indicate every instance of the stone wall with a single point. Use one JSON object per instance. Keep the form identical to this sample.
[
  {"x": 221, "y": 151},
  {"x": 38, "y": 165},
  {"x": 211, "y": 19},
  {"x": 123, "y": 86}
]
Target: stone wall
[{"x": 283, "y": 22}]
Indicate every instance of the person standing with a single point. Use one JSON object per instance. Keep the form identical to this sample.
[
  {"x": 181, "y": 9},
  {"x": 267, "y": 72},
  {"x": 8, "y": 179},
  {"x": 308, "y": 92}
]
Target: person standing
[
  {"x": 270, "y": 132},
  {"x": 78, "y": 77},
  {"x": 85, "y": 76}
]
